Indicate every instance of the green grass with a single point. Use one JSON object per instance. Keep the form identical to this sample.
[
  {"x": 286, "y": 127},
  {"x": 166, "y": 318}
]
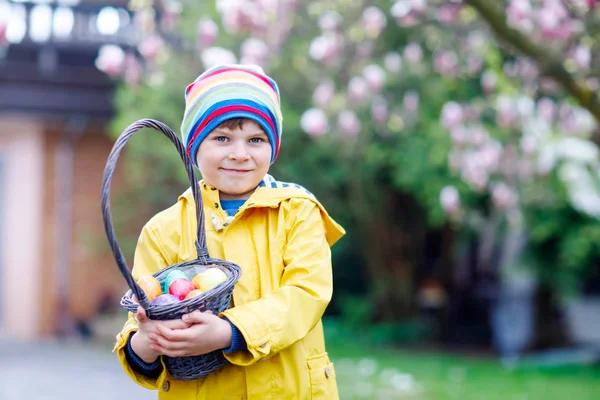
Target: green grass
[{"x": 376, "y": 372}]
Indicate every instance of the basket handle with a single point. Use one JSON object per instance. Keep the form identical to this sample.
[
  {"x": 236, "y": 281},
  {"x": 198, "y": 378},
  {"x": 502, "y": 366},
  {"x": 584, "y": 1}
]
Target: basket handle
[{"x": 111, "y": 162}]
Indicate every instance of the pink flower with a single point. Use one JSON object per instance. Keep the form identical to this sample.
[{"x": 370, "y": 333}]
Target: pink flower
[
  {"x": 110, "y": 60},
  {"x": 373, "y": 21},
  {"x": 401, "y": 9},
  {"x": 446, "y": 62},
  {"x": 583, "y": 57},
  {"x": 326, "y": 48},
  {"x": 3, "y": 27},
  {"x": 528, "y": 145},
  {"x": 473, "y": 173},
  {"x": 448, "y": 13},
  {"x": 375, "y": 77},
  {"x": 330, "y": 21},
  {"x": 348, "y": 124},
  {"x": 413, "y": 53},
  {"x": 452, "y": 114},
  {"x": 379, "y": 110},
  {"x": 393, "y": 62},
  {"x": 358, "y": 90},
  {"x": 254, "y": 51},
  {"x": 488, "y": 81},
  {"x": 506, "y": 113},
  {"x": 151, "y": 47},
  {"x": 314, "y": 122},
  {"x": 411, "y": 101},
  {"x": 207, "y": 32},
  {"x": 450, "y": 199},
  {"x": 323, "y": 94},
  {"x": 133, "y": 70},
  {"x": 518, "y": 14},
  {"x": 546, "y": 109},
  {"x": 503, "y": 196}
]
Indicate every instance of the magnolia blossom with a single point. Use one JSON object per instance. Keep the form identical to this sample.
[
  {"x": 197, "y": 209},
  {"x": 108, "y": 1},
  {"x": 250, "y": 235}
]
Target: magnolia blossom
[
  {"x": 348, "y": 124},
  {"x": 207, "y": 32},
  {"x": 330, "y": 21},
  {"x": 519, "y": 14},
  {"x": 323, "y": 94},
  {"x": 448, "y": 13},
  {"x": 373, "y": 21},
  {"x": 503, "y": 196},
  {"x": 3, "y": 28},
  {"x": 314, "y": 122},
  {"x": 410, "y": 101},
  {"x": 379, "y": 110},
  {"x": 393, "y": 62},
  {"x": 151, "y": 47},
  {"x": 446, "y": 62},
  {"x": 582, "y": 56},
  {"x": 506, "y": 111},
  {"x": 133, "y": 70},
  {"x": 450, "y": 199},
  {"x": 217, "y": 55},
  {"x": 413, "y": 53},
  {"x": 326, "y": 48},
  {"x": 452, "y": 114},
  {"x": 546, "y": 109},
  {"x": 254, "y": 51},
  {"x": 582, "y": 188},
  {"x": 488, "y": 81},
  {"x": 473, "y": 171},
  {"x": 374, "y": 76},
  {"x": 110, "y": 60},
  {"x": 358, "y": 90}
]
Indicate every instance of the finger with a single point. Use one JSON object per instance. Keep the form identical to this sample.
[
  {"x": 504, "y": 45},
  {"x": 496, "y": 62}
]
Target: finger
[
  {"x": 141, "y": 314},
  {"x": 172, "y": 334},
  {"x": 168, "y": 352},
  {"x": 176, "y": 324},
  {"x": 197, "y": 317},
  {"x": 163, "y": 343}
]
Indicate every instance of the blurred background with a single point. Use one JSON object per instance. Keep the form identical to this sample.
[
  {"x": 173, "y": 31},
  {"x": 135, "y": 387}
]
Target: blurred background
[{"x": 456, "y": 141}]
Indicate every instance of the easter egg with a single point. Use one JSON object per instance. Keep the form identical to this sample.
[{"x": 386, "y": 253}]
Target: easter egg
[
  {"x": 180, "y": 287},
  {"x": 171, "y": 277},
  {"x": 165, "y": 299},
  {"x": 150, "y": 286},
  {"x": 209, "y": 279},
  {"x": 193, "y": 293}
]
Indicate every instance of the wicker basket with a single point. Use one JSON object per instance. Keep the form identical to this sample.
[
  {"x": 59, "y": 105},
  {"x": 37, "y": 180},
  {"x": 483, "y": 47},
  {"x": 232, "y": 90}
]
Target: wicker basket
[{"x": 216, "y": 300}]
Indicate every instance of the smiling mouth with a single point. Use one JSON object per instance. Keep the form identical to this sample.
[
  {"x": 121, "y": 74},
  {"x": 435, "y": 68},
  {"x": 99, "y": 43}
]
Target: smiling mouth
[{"x": 238, "y": 171}]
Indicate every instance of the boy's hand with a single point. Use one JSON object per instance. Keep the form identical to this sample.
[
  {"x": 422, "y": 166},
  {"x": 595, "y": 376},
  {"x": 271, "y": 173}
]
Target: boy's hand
[
  {"x": 207, "y": 333},
  {"x": 141, "y": 342}
]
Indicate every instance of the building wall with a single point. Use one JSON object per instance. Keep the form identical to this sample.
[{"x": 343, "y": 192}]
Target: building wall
[
  {"x": 22, "y": 257},
  {"x": 40, "y": 267}
]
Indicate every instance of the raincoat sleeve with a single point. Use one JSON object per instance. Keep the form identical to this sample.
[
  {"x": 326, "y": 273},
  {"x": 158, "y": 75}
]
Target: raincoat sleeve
[
  {"x": 286, "y": 315},
  {"x": 152, "y": 253}
]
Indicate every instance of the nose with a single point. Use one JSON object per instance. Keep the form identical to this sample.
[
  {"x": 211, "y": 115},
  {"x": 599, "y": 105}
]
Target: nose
[{"x": 239, "y": 152}]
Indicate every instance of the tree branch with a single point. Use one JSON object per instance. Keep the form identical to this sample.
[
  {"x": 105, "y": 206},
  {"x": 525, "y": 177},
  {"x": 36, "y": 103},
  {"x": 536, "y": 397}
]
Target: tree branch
[{"x": 547, "y": 63}]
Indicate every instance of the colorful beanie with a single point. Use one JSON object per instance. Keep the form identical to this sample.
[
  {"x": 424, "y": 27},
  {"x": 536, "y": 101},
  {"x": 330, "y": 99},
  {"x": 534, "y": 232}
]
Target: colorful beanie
[{"x": 231, "y": 91}]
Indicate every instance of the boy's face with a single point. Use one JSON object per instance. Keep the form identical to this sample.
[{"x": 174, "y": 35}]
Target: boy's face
[{"x": 235, "y": 160}]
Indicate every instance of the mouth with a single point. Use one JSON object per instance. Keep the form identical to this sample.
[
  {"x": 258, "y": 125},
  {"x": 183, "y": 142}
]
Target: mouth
[{"x": 236, "y": 171}]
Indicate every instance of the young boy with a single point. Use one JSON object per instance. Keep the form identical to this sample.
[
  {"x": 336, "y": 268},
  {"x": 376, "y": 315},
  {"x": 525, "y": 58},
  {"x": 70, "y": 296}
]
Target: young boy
[{"x": 278, "y": 233}]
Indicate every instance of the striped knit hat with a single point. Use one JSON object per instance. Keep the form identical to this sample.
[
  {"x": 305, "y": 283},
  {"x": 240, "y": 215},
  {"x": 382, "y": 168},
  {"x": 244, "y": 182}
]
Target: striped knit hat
[{"x": 231, "y": 91}]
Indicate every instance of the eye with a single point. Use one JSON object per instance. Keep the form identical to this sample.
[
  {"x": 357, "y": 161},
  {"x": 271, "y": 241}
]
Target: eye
[
  {"x": 221, "y": 139},
  {"x": 257, "y": 140}
]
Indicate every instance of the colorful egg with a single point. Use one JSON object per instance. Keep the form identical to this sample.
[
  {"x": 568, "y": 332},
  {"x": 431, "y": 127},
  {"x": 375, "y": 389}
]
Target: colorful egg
[
  {"x": 180, "y": 287},
  {"x": 177, "y": 274},
  {"x": 193, "y": 293},
  {"x": 165, "y": 299},
  {"x": 150, "y": 286}
]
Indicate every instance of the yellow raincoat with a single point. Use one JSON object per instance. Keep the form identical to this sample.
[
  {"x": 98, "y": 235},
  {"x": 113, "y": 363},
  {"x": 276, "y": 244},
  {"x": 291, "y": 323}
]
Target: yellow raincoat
[{"x": 281, "y": 239}]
